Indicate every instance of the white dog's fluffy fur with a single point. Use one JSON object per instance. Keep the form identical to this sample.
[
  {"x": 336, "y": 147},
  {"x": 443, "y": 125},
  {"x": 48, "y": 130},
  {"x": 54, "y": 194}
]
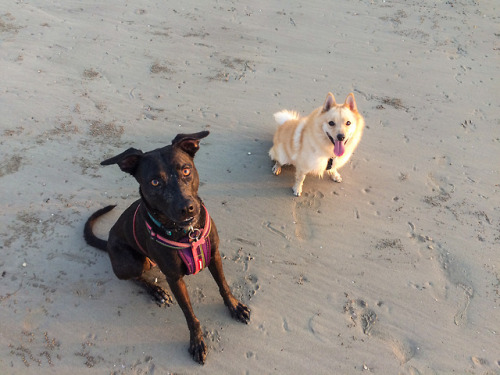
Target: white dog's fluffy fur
[{"x": 332, "y": 131}]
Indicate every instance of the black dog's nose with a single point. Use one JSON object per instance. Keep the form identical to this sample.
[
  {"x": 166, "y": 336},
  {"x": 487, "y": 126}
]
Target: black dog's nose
[
  {"x": 340, "y": 137},
  {"x": 188, "y": 208}
]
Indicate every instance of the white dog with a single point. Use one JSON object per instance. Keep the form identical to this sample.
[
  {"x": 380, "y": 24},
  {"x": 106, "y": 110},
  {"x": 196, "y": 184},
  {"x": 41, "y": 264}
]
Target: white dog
[{"x": 321, "y": 142}]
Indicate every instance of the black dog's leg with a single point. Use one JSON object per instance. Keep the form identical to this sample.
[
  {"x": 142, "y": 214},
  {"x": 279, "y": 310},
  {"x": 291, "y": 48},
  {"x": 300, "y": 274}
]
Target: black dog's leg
[
  {"x": 197, "y": 346},
  {"x": 238, "y": 310},
  {"x": 160, "y": 295},
  {"x": 128, "y": 264}
]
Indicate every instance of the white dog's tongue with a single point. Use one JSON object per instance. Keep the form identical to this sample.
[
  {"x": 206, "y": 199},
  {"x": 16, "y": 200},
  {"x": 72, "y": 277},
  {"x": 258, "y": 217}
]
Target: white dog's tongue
[{"x": 338, "y": 149}]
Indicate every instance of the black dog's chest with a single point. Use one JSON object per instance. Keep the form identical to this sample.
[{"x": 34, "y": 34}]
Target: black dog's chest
[{"x": 192, "y": 247}]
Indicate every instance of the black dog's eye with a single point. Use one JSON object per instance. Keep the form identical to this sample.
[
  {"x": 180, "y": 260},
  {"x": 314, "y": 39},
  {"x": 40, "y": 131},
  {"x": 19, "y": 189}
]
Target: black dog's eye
[
  {"x": 186, "y": 171},
  {"x": 331, "y": 123},
  {"x": 155, "y": 183},
  {"x": 348, "y": 123}
]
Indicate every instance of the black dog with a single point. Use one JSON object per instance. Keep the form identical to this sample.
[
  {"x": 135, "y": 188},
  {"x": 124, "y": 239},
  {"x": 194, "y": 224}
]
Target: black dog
[{"x": 169, "y": 226}]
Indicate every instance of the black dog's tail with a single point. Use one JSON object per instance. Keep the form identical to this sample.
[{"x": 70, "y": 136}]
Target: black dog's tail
[{"x": 89, "y": 236}]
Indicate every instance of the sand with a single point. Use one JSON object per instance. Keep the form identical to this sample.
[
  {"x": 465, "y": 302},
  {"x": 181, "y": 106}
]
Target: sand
[{"x": 396, "y": 270}]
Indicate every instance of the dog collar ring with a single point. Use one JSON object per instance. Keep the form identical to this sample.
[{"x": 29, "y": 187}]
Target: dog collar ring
[{"x": 194, "y": 233}]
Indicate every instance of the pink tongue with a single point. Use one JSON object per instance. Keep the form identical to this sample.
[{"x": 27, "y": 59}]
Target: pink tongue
[{"x": 338, "y": 149}]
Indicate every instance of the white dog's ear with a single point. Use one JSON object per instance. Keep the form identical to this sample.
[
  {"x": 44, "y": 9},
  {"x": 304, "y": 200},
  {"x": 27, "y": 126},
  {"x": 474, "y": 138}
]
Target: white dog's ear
[
  {"x": 329, "y": 102},
  {"x": 351, "y": 103}
]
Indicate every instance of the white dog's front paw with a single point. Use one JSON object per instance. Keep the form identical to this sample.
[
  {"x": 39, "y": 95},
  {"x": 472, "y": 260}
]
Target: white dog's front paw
[
  {"x": 276, "y": 169},
  {"x": 336, "y": 176},
  {"x": 299, "y": 181},
  {"x": 297, "y": 190}
]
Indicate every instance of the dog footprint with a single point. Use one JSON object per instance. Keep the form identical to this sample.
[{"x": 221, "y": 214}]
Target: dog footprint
[
  {"x": 365, "y": 319},
  {"x": 361, "y": 315},
  {"x": 251, "y": 356},
  {"x": 252, "y": 285},
  {"x": 198, "y": 295},
  {"x": 244, "y": 258},
  {"x": 311, "y": 200},
  {"x": 441, "y": 188},
  {"x": 213, "y": 338},
  {"x": 247, "y": 288},
  {"x": 468, "y": 126}
]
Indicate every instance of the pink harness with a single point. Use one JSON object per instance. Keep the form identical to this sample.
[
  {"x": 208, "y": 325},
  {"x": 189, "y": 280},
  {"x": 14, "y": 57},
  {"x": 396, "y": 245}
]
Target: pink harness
[{"x": 194, "y": 249}]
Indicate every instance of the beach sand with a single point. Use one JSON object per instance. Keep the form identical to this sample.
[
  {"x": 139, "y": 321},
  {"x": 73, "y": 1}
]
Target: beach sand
[{"x": 396, "y": 270}]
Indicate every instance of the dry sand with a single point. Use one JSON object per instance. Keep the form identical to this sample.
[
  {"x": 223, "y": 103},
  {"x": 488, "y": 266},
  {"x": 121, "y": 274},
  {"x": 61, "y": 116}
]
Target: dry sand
[{"x": 394, "y": 271}]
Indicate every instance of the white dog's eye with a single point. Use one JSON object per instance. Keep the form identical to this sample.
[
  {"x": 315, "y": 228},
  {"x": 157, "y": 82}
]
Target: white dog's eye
[
  {"x": 331, "y": 123},
  {"x": 348, "y": 123}
]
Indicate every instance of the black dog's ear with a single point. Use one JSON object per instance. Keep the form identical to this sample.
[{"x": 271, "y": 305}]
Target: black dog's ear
[
  {"x": 189, "y": 143},
  {"x": 127, "y": 160}
]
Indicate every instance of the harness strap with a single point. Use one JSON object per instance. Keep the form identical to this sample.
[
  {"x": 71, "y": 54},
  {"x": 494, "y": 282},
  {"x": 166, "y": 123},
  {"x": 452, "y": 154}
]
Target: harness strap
[
  {"x": 198, "y": 245},
  {"x": 152, "y": 264},
  {"x": 329, "y": 165},
  {"x": 195, "y": 253},
  {"x": 197, "y": 256},
  {"x": 175, "y": 245}
]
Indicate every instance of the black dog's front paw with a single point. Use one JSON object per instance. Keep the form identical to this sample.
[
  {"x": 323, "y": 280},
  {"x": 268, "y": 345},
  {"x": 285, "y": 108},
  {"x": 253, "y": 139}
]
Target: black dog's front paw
[
  {"x": 160, "y": 296},
  {"x": 240, "y": 312},
  {"x": 198, "y": 350}
]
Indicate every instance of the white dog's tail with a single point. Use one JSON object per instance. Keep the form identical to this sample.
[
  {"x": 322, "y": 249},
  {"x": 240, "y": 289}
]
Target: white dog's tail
[{"x": 284, "y": 116}]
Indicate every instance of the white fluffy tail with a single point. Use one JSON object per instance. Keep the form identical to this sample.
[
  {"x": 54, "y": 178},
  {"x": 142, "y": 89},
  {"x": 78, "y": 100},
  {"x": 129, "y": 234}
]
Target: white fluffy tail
[{"x": 284, "y": 116}]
